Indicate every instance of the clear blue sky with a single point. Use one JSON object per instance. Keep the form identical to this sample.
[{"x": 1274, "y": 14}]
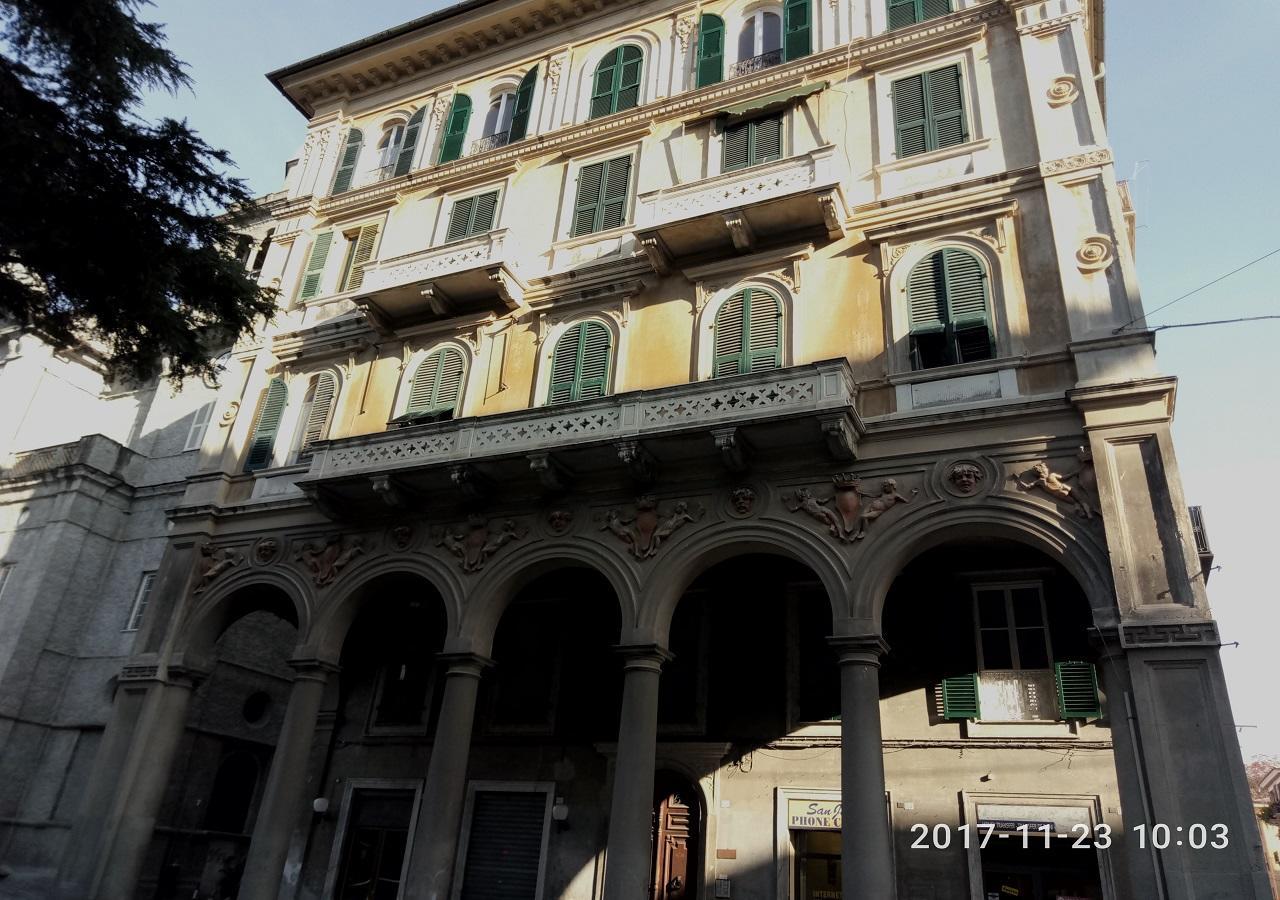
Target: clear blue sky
[{"x": 1191, "y": 111}]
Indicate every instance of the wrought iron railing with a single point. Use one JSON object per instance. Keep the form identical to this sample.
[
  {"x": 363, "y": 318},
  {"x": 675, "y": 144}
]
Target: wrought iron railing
[
  {"x": 492, "y": 142},
  {"x": 756, "y": 63}
]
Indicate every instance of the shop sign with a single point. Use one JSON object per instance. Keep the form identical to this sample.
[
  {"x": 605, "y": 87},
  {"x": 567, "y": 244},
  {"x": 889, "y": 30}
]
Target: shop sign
[{"x": 814, "y": 815}]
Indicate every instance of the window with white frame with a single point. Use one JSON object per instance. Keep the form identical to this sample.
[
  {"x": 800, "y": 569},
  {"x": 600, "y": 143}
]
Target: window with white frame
[
  {"x": 761, "y": 34},
  {"x": 389, "y": 149},
  {"x": 361, "y": 244},
  {"x": 199, "y": 424},
  {"x": 316, "y": 414},
  {"x": 140, "y": 601},
  {"x": 497, "y": 121}
]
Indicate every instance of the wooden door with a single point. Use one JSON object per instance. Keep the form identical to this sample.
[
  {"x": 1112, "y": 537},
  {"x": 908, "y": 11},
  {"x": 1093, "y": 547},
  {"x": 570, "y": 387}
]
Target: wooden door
[{"x": 675, "y": 840}]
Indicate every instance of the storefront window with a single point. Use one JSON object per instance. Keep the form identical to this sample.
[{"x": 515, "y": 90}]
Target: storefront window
[{"x": 817, "y": 865}]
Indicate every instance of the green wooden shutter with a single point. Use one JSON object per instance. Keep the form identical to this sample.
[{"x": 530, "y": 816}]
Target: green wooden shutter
[
  {"x": 604, "y": 87},
  {"x": 580, "y": 363},
  {"x": 966, "y": 289},
  {"x": 524, "y": 106},
  {"x": 266, "y": 423},
  {"x": 960, "y": 697},
  {"x": 485, "y": 209},
  {"x": 319, "y": 409},
  {"x": 737, "y": 146},
  {"x": 629, "y": 74},
  {"x": 1077, "y": 690},
  {"x": 314, "y": 274},
  {"x": 926, "y": 294},
  {"x": 347, "y": 162},
  {"x": 437, "y": 382},
  {"x": 931, "y": 9},
  {"x": 946, "y": 107},
  {"x": 613, "y": 203},
  {"x": 710, "y": 50},
  {"x": 764, "y": 331},
  {"x": 766, "y": 139},
  {"x": 730, "y": 333},
  {"x": 455, "y": 132},
  {"x": 362, "y": 247},
  {"x": 903, "y": 13},
  {"x": 587, "y": 202},
  {"x": 404, "y": 160},
  {"x": 795, "y": 29},
  {"x": 910, "y": 122},
  {"x": 460, "y": 219}
]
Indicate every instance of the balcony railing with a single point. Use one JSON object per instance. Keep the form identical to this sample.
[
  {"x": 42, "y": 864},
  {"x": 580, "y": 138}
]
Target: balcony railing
[
  {"x": 492, "y": 142},
  {"x": 756, "y": 63}
]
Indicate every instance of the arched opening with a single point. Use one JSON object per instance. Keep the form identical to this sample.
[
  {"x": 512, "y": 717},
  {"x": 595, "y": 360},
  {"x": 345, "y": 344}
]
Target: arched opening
[
  {"x": 991, "y": 685},
  {"x": 233, "y": 724}
]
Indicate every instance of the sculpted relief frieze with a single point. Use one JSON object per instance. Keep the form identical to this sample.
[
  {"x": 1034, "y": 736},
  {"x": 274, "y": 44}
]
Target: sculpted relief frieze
[
  {"x": 844, "y": 513},
  {"x": 645, "y": 526}
]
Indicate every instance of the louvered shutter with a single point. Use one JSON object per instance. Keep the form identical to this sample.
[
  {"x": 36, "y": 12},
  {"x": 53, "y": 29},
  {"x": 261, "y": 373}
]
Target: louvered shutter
[
  {"x": 482, "y": 216},
  {"x": 587, "y": 201},
  {"x": 910, "y": 123},
  {"x": 629, "y": 73},
  {"x": 314, "y": 275},
  {"x": 766, "y": 139},
  {"x": 404, "y": 160},
  {"x": 764, "y": 331},
  {"x": 593, "y": 368},
  {"x": 960, "y": 697},
  {"x": 524, "y": 105},
  {"x": 737, "y": 146},
  {"x": 613, "y": 204},
  {"x": 1077, "y": 690},
  {"x": 455, "y": 132},
  {"x": 361, "y": 253},
  {"x": 564, "y": 366},
  {"x": 266, "y": 423},
  {"x": 347, "y": 162},
  {"x": 504, "y": 845},
  {"x": 604, "y": 86},
  {"x": 460, "y": 218},
  {"x": 710, "y": 50},
  {"x": 946, "y": 108},
  {"x": 730, "y": 331},
  {"x": 926, "y": 294},
  {"x": 795, "y": 29},
  {"x": 319, "y": 409},
  {"x": 903, "y": 13},
  {"x": 931, "y": 9},
  {"x": 437, "y": 382},
  {"x": 966, "y": 287}
]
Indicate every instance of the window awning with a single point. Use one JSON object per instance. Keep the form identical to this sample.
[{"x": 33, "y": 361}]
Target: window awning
[{"x": 769, "y": 102}]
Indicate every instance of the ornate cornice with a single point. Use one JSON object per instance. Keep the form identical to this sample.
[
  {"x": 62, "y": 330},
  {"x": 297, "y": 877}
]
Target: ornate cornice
[{"x": 1092, "y": 158}]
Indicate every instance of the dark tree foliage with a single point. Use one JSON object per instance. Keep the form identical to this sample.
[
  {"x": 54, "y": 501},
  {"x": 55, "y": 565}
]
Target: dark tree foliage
[{"x": 111, "y": 227}]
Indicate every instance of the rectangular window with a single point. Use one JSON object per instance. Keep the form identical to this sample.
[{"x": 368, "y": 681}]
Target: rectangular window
[
  {"x": 376, "y": 842},
  {"x": 199, "y": 424},
  {"x": 505, "y": 841},
  {"x": 928, "y": 111},
  {"x": 472, "y": 216},
  {"x": 750, "y": 143},
  {"x": 601, "y": 200},
  {"x": 1015, "y": 679},
  {"x": 140, "y": 601},
  {"x": 908, "y": 12},
  {"x": 360, "y": 247}
]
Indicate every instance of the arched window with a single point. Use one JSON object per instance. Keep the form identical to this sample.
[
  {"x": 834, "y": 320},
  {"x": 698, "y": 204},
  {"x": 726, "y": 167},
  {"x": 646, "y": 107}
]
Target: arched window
[
  {"x": 402, "y": 161},
  {"x": 580, "y": 364},
  {"x": 389, "y": 149},
  {"x": 266, "y": 423},
  {"x": 617, "y": 81},
  {"x": 455, "y": 131},
  {"x": 317, "y": 412},
  {"x": 347, "y": 161},
  {"x": 748, "y": 333},
  {"x": 710, "y": 50},
  {"x": 523, "y": 106},
  {"x": 436, "y": 389},
  {"x": 498, "y": 119},
  {"x": 948, "y": 309},
  {"x": 761, "y": 35}
]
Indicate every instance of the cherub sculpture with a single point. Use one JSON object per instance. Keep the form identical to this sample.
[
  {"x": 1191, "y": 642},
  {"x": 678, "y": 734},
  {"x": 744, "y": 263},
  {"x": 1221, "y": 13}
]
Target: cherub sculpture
[{"x": 1055, "y": 486}]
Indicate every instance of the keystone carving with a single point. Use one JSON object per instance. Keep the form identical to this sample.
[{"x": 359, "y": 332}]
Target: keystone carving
[
  {"x": 216, "y": 560},
  {"x": 644, "y": 531},
  {"x": 476, "y": 542},
  {"x": 844, "y": 513},
  {"x": 1055, "y": 485},
  {"x": 401, "y": 537},
  {"x": 326, "y": 561},
  {"x": 560, "y": 520},
  {"x": 743, "y": 501},
  {"x": 965, "y": 478},
  {"x": 266, "y": 550}
]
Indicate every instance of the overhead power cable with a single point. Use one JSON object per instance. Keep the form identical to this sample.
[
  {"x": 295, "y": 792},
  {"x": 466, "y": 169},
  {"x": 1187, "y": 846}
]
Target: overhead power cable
[{"x": 1197, "y": 290}]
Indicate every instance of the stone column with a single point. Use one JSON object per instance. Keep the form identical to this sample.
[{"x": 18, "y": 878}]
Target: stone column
[
  {"x": 284, "y": 794},
  {"x": 141, "y": 787},
  {"x": 866, "y": 845},
  {"x": 628, "y": 863},
  {"x": 435, "y": 841}
]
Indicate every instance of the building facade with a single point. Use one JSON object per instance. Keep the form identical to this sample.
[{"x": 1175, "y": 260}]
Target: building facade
[{"x": 704, "y": 450}]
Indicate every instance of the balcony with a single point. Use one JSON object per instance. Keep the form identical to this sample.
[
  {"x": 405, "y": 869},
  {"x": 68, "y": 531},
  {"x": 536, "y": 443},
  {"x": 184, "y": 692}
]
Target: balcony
[
  {"x": 471, "y": 275},
  {"x": 756, "y": 63},
  {"x": 492, "y": 142},
  {"x": 736, "y": 212},
  {"x": 795, "y": 413}
]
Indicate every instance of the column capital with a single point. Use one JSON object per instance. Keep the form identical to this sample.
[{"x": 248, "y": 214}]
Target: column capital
[
  {"x": 859, "y": 649},
  {"x": 651, "y": 657},
  {"x": 465, "y": 663},
  {"x": 312, "y": 669}
]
